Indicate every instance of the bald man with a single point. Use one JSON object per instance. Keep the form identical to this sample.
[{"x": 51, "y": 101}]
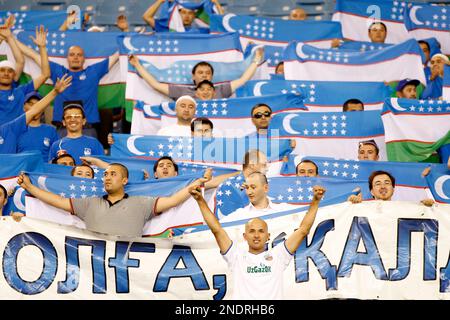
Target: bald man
[
  {"x": 256, "y": 188},
  {"x": 84, "y": 87},
  {"x": 185, "y": 108},
  {"x": 257, "y": 273},
  {"x": 297, "y": 14}
]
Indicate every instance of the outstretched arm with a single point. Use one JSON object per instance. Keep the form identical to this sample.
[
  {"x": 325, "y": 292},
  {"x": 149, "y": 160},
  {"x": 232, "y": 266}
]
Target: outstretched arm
[
  {"x": 61, "y": 85},
  {"x": 155, "y": 84},
  {"x": 6, "y": 34},
  {"x": 48, "y": 197},
  {"x": 295, "y": 239},
  {"x": 71, "y": 19},
  {"x": 113, "y": 60},
  {"x": 218, "y": 6},
  {"x": 165, "y": 203},
  {"x": 150, "y": 13},
  {"x": 41, "y": 42},
  {"x": 216, "y": 181},
  {"x": 222, "y": 238},
  {"x": 248, "y": 74}
]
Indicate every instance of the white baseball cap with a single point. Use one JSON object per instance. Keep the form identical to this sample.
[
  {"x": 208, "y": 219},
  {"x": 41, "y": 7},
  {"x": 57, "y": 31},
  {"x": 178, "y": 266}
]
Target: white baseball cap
[
  {"x": 7, "y": 64},
  {"x": 186, "y": 97},
  {"x": 443, "y": 56}
]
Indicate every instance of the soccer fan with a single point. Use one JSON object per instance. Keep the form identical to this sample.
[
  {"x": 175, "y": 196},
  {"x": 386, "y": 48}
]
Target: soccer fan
[
  {"x": 39, "y": 136},
  {"x": 407, "y": 88},
  {"x": 116, "y": 213},
  {"x": 64, "y": 159},
  {"x": 3, "y": 199},
  {"x": 11, "y": 96},
  {"x": 201, "y": 71},
  {"x": 202, "y": 127},
  {"x": 205, "y": 90},
  {"x": 368, "y": 150},
  {"x": 75, "y": 143},
  {"x": 185, "y": 107},
  {"x": 353, "y": 105},
  {"x": 261, "y": 116},
  {"x": 83, "y": 171},
  {"x": 298, "y": 14},
  {"x": 377, "y": 33},
  {"x": 433, "y": 90},
  {"x": 267, "y": 284},
  {"x": 307, "y": 168}
]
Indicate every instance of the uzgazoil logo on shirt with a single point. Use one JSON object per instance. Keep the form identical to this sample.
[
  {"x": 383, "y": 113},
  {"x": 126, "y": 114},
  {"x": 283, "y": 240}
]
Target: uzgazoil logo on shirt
[{"x": 262, "y": 268}]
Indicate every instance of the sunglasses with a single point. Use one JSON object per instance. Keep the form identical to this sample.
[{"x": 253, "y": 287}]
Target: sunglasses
[
  {"x": 259, "y": 115},
  {"x": 73, "y": 116}
]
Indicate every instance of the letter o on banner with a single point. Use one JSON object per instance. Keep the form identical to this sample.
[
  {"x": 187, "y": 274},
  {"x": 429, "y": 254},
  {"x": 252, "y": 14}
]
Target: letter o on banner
[{"x": 10, "y": 263}]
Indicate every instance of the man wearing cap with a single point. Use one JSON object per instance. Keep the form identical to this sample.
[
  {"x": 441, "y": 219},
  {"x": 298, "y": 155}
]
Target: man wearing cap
[
  {"x": 10, "y": 131},
  {"x": 185, "y": 110},
  {"x": 85, "y": 83},
  {"x": 407, "y": 88},
  {"x": 201, "y": 71},
  {"x": 11, "y": 97},
  {"x": 39, "y": 136},
  {"x": 433, "y": 89},
  {"x": 368, "y": 150},
  {"x": 75, "y": 143}
]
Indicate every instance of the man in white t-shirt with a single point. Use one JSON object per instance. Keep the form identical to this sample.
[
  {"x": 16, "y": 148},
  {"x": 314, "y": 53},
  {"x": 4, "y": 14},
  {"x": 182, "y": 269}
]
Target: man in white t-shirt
[
  {"x": 257, "y": 273},
  {"x": 256, "y": 188},
  {"x": 185, "y": 108}
]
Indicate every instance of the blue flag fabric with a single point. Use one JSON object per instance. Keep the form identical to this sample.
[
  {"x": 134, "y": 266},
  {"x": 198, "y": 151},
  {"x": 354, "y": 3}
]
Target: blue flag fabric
[
  {"x": 387, "y": 10},
  {"x": 293, "y": 190},
  {"x": 426, "y": 16},
  {"x": 214, "y": 150},
  {"x": 94, "y": 44},
  {"x": 304, "y": 52},
  {"x": 173, "y": 44},
  {"x": 362, "y": 46},
  {"x": 418, "y": 107},
  {"x": 439, "y": 183},
  {"x": 180, "y": 72},
  {"x": 405, "y": 173},
  {"x": 29, "y": 20},
  {"x": 13, "y": 164},
  {"x": 271, "y": 29},
  {"x": 329, "y": 125},
  {"x": 446, "y": 83},
  {"x": 320, "y": 93}
]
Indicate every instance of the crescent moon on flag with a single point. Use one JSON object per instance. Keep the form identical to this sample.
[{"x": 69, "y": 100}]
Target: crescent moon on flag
[
  {"x": 149, "y": 111},
  {"x": 438, "y": 185},
  {"x": 226, "y": 22},
  {"x": 41, "y": 183},
  {"x": 413, "y": 17},
  {"x": 258, "y": 87},
  {"x": 128, "y": 45},
  {"x": 166, "y": 109},
  {"x": 287, "y": 123},
  {"x": 18, "y": 199},
  {"x": 395, "y": 105},
  {"x": 299, "y": 50},
  {"x": 132, "y": 147}
]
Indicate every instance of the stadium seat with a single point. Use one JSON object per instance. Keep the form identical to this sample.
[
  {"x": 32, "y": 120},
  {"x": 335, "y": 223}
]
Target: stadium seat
[
  {"x": 85, "y": 5},
  {"x": 19, "y": 5},
  {"x": 51, "y": 2},
  {"x": 251, "y": 11},
  {"x": 48, "y": 7}
]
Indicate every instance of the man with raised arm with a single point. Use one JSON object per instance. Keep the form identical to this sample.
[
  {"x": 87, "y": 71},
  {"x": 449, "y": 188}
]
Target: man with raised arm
[
  {"x": 12, "y": 97},
  {"x": 116, "y": 213},
  {"x": 265, "y": 283}
]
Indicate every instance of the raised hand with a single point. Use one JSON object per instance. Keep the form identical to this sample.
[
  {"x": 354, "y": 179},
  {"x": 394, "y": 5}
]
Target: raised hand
[
  {"x": 24, "y": 181},
  {"x": 318, "y": 193},
  {"x": 196, "y": 193},
  {"x": 41, "y": 37},
  {"x": 63, "y": 83},
  {"x": 134, "y": 61}
]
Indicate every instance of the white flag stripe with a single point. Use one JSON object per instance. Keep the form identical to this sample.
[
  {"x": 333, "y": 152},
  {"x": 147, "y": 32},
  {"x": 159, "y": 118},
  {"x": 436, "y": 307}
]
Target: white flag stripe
[
  {"x": 420, "y": 128},
  {"x": 142, "y": 125},
  {"x": 337, "y": 108},
  {"x": 442, "y": 36},
  {"x": 356, "y": 28},
  {"x": 392, "y": 70},
  {"x": 317, "y": 43},
  {"x": 345, "y": 148}
]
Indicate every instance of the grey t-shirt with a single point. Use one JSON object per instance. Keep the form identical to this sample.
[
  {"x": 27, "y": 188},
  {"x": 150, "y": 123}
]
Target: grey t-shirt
[
  {"x": 126, "y": 217},
  {"x": 223, "y": 90}
]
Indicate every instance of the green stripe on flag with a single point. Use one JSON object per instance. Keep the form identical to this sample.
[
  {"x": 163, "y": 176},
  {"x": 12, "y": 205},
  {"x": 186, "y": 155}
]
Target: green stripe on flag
[
  {"x": 411, "y": 151},
  {"x": 203, "y": 16}
]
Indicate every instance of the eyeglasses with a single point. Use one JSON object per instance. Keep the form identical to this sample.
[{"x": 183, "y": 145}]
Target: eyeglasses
[
  {"x": 73, "y": 116},
  {"x": 259, "y": 115}
]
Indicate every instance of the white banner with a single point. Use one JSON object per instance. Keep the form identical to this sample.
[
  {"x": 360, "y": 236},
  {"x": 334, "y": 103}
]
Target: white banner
[{"x": 373, "y": 250}]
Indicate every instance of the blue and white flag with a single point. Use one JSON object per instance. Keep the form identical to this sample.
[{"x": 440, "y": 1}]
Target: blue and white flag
[
  {"x": 446, "y": 84},
  {"x": 164, "y": 50},
  {"x": 230, "y": 196},
  {"x": 426, "y": 21},
  {"x": 305, "y": 62},
  {"x": 439, "y": 182},
  {"x": 356, "y": 16},
  {"x": 97, "y": 46},
  {"x": 29, "y": 20},
  {"x": 328, "y": 134},
  {"x": 276, "y": 32},
  {"x": 231, "y": 117},
  {"x": 409, "y": 183},
  {"x": 362, "y": 46},
  {"x": 170, "y": 19},
  {"x": 215, "y": 151},
  {"x": 322, "y": 96}
]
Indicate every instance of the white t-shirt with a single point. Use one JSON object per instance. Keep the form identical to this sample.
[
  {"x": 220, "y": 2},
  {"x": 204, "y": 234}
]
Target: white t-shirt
[
  {"x": 257, "y": 276},
  {"x": 175, "y": 130}
]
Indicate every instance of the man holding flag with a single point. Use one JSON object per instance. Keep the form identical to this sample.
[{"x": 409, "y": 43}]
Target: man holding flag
[
  {"x": 115, "y": 213},
  {"x": 434, "y": 88},
  {"x": 201, "y": 71}
]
